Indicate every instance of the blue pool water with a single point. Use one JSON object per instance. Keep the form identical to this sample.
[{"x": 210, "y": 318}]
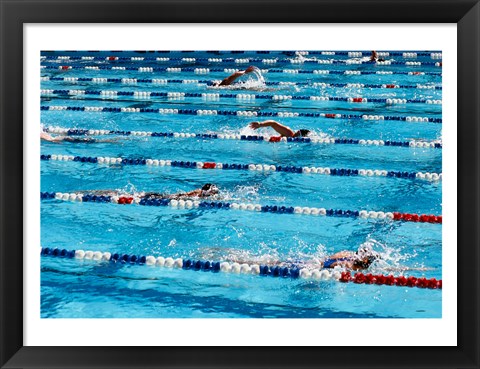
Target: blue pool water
[{"x": 72, "y": 288}]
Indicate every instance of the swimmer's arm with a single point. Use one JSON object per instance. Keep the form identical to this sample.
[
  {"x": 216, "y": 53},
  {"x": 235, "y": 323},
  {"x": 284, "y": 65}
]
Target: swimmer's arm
[
  {"x": 230, "y": 79},
  {"x": 179, "y": 196},
  {"x": 191, "y": 193},
  {"x": 341, "y": 254},
  {"x": 280, "y": 128},
  {"x": 56, "y": 140},
  {"x": 47, "y": 137}
]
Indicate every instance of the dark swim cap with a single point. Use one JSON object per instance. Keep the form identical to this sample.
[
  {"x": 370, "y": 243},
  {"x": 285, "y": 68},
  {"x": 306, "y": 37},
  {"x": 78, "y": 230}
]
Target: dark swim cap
[
  {"x": 207, "y": 186},
  {"x": 303, "y": 132}
]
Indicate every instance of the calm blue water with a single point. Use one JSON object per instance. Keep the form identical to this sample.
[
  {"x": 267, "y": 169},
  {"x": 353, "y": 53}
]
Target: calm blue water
[{"x": 82, "y": 289}]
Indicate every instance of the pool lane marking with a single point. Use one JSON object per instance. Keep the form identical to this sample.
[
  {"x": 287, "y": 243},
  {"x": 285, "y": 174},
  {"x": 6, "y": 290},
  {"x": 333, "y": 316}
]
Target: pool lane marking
[
  {"x": 252, "y": 138},
  {"x": 232, "y": 70},
  {"x": 214, "y": 97},
  {"x": 159, "y": 81},
  {"x": 432, "y": 177},
  {"x": 277, "y": 209},
  {"x": 249, "y": 60},
  {"x": 336, "y": 274},
  {"x": 238, "y": 113}
]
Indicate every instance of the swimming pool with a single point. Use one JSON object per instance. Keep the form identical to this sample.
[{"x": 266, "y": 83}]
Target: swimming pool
[{"x": 374, "y": 136}]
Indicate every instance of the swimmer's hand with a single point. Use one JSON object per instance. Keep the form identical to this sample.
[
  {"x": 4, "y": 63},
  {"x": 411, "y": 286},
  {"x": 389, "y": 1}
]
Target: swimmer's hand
[
  {"x": 255, "y": 125},
  {"x": 250, "y": 69}
]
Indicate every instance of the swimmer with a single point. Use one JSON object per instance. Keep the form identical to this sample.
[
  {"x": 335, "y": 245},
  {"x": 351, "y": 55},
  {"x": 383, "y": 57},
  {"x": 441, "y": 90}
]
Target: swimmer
[
  {"x": 61, "y": 138},
  {"x": 359, "y": 260},
  {"x": 206, "y": 190},
  {"x": 374, "y": 57},
  {"x": 283, "y": 130},
  {"x": 362, "y": 259},
  {"x": 230, "y": 79}
]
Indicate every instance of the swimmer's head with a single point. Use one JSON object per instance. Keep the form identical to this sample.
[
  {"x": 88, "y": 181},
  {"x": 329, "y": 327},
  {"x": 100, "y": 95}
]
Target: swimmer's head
[
  {"x": 366, "y": 255},
  {"x": 364, "y": 262},
  {"x": 301, "y": 133},
  {"x": 209, "y": 189}
]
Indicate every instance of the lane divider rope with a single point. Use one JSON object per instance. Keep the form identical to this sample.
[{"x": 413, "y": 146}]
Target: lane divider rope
[
  {"x": 237, "y": 268},
  {"x": 239, "y": 113},
  {"x": 229, "y": 70},
  {"x": 189, "y": 204},
  {"x": 115, "y": 59},
  {"x": 243, "y": 97},
  {"x": 160, "y": 81},
  {"x": 254, "y": 138},
  {"x": 433, "y": 177}
]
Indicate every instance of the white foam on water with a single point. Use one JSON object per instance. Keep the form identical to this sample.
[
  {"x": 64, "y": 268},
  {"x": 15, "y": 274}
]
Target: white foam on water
[{"x": 246, "y": 194}]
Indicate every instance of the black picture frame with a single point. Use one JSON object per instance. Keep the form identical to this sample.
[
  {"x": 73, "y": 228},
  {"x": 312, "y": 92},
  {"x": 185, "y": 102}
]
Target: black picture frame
[{"x": 14, "y": 13}]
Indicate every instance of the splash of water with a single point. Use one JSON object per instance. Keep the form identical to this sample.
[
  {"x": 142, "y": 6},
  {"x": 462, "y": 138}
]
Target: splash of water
[
  {"x": 255, "y": 81},
  {"x": 130, "y": 188},
  {"x": 247, "y": 131},
  {"x": 390, "y": 258},
  {"x": 242, "y": 193},
  {"x": 258, "y": 74}
]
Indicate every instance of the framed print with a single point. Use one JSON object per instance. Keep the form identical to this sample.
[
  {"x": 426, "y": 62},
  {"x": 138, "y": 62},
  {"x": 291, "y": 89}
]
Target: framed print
[{"x": 232, "y": 185}]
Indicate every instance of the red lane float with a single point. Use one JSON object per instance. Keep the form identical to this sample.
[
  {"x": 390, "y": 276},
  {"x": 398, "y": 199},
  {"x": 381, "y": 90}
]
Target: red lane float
[
  {"x": 390, "y": 280},
  {"x": 390, "y": 86},
  {"x": 418, "y": 218},
  {"x": 125, "y": 200},
  {"x": 330, "y": 115},
  {"x": 65, "y": 67},
  {"x": 275, "y": 139},
  {"x": 209, "y": 166},
  {"x": 357, "y": 99}
]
